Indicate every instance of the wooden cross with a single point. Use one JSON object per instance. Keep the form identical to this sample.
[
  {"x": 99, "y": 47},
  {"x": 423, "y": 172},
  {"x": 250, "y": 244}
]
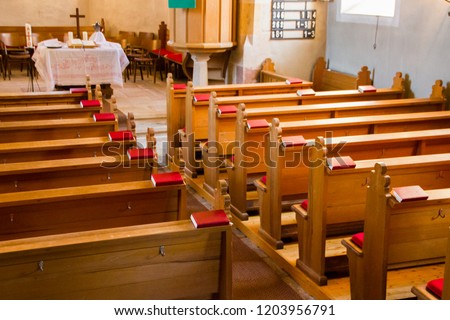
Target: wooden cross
[{"x": 78, "y": 16}]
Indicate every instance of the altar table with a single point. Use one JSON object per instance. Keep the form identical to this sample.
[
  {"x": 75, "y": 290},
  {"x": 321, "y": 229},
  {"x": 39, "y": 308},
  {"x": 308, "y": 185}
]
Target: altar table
[{"x": 68, "y": 67}]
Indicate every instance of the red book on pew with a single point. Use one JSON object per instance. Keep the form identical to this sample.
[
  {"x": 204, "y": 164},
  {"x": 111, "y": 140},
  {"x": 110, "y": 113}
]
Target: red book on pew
[
  {"x": 344, "y": 162},
  {"x": 78, "y": 90},
  {"x": 179, "y": 86},
  {"x": 120, "y": 135},
  {"x": 306, "y": 92},
  {"x": 436, "y": 286},
  {"x": 210, "y": 218},
  {"x": 137, "y": 153},
  {"x": 226, "y": 109},
  {"x": 293, "y": 141},
  {"x": 104, "y": 117},
  {"x": 294, "y": 81},
  {"x": 89, "y": 103},
  {"x": 166, "y": 179},
  {"x": 201, "y": 97},
  {"x": 257, "y": 124},
  {"x": 367, "y": 88},
  {"x": 409, "y": 193}
]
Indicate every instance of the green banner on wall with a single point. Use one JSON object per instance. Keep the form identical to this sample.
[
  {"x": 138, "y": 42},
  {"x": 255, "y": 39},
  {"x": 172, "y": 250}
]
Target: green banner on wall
[{"x": 182, "y": 3}]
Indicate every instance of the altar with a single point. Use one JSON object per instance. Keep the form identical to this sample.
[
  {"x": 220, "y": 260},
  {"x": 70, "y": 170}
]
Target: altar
[{"x": 62, "y": 66}]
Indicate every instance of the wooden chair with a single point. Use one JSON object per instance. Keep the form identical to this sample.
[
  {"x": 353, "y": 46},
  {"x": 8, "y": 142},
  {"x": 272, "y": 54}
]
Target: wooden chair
[
  {"x": 145, "y": 60},
  {"x": 13, "y": 48}
]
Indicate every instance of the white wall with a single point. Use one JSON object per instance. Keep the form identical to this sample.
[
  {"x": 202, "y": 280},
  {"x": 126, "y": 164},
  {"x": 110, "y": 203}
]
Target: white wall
[
  {"x": 129, "y": 15},
  {"x": 291, "y": 57},
  {"x": 416, "y": 42},
  {"x": 42, "y": 12}
]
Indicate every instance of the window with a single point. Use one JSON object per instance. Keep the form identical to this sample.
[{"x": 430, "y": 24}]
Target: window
[{"x": 381, "y": 8}]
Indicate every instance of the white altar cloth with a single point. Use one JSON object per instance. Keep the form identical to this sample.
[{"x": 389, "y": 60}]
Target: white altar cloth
[{"x": 66, "y": 66}]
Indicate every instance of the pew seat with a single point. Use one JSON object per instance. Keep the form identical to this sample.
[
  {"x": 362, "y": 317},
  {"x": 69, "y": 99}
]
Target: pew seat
[{"x": 41, "y": 98}]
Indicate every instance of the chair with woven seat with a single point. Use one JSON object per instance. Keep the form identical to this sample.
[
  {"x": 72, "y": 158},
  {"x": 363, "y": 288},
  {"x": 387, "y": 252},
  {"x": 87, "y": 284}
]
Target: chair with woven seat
[{"x": 13, "y": 48}]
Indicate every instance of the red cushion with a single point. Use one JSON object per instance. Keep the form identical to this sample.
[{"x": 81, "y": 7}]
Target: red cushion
[
  {"x": 304, "y": 204},
  {"x": 435, "y": 286},
  {"x": 358, "y": 239},
  {"x": 178, "y": 57}
]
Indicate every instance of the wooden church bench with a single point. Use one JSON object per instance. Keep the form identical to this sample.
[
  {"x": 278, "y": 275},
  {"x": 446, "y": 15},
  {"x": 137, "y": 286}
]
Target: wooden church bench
[
  {"x": 182, "y": 112},
  {"x": 337, "y": 199},
  {"x": 250, "y": 141},
  {"x": 39, "y": 112},
  {"x": 41, "y": 98},
  {"x": 143, "y": 262},
  {"x": 222, "y": 127},
  {"x": 287, "y": 170},
  {"x": 62, "y": 149},
  {"x": 421, "y": 291},
  {"x": 89, "y": 207},
  {"x": 35, "y": 130},
  {"x": 325, "y": 79},
  {"x": 396, "y": 235},
  {"x": 198, "y": 131},
  {"x": 59, "y": 173}
]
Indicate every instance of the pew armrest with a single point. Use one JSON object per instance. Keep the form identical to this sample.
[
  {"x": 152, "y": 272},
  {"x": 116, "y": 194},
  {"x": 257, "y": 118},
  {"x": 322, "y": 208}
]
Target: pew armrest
[
  {"x": 299, "y": 212},
  {"x": 422, "y": 293},
  {"x": 352, "y": 248},
  {"x": 260, "y": 186}
]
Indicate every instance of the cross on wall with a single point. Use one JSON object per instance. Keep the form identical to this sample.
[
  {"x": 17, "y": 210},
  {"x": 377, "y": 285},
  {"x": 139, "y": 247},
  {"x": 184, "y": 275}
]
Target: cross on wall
[{"x": 77, "y": 15}]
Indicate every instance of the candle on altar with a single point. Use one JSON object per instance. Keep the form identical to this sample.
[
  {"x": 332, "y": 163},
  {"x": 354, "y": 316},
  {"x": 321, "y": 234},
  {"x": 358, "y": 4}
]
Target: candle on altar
[
  {"x": 28, "y": 35},
  {"x": 70, "y": 36},
  {"x": 85, "y": 35}
]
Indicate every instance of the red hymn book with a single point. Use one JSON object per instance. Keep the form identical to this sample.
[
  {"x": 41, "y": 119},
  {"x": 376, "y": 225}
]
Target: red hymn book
[
  {"x": 210, "y": 218},
  {"x": 259, "y": 123},
  {"x": 136, "y": 153},
  {"x": 294, "y": 81},
  {"x": 78, "y": 90},
  {"x": 226, "y": 109},
  {"x": 344, "y": 162},
  {"x": 120, "y": 135},
  {"x": 166, "y": 179},
  {"x": 306, "y": 92},
  {"x": 367, "y": 88},
  {"x": 409, "y": 193},
  {"x": 104, "y": 117},
  {"x": 89, "y": 103},
  {"x": 293, "y": 141},
  {"x": 201, "y": 97}
]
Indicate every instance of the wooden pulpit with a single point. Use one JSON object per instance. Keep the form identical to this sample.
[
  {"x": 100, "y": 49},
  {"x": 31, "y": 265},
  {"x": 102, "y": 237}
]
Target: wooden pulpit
[{"x": 208, "y": 28}]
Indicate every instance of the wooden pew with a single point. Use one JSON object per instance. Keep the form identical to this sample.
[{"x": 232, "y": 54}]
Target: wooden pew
[
  {"x": 325, "y": 79},
  {"x": 198, "y": 130},
  {"x": 421, "y": 291},
  {"x": 62, "y": 149},
  {"x": 38, "y": 112},
  {"x": 396, "y": 235},
  {"x": 287, "y": 167},
  {"x": 60, "y": 173},
  {"x": 89, "y": 207},
  {"x": 151, "y": 261},
  {"x": 249, "y": 151},
  {"x": 331, "y": 211},
  {"x": 40, "y": 98},
  {"x": 183, "y": 113},
  {"x": 36, "y": 130},
  {"x": 222, "y": 127}
]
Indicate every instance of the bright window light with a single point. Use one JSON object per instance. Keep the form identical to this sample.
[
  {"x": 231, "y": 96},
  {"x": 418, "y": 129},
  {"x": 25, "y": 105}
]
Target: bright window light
[{"x": 381, "y": 8}]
